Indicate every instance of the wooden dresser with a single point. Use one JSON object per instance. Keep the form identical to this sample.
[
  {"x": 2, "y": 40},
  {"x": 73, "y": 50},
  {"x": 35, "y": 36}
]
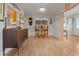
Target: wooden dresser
[{"x": 13, "y": 38}]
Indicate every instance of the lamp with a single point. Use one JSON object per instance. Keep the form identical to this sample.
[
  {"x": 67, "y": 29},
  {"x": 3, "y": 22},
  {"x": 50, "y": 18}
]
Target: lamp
[{"x": 42, "y": 9}]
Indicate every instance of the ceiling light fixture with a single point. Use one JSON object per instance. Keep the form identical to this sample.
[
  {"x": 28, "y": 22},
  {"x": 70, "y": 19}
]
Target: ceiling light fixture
[{"x": 43, "y": 9}]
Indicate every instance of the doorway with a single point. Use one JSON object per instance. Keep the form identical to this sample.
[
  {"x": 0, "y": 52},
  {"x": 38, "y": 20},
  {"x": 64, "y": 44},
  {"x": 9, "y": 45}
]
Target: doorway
[
  {"x": 41, "y": 28},
  {"x": 71, "y": 28}
]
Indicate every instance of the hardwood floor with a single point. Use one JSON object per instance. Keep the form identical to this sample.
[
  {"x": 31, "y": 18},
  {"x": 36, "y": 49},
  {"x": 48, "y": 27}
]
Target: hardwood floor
[{"x": 49, "y": 46}]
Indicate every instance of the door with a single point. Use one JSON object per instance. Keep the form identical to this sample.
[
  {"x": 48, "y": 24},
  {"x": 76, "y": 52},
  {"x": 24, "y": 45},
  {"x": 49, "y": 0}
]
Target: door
[{"x": 41, "y": 28}]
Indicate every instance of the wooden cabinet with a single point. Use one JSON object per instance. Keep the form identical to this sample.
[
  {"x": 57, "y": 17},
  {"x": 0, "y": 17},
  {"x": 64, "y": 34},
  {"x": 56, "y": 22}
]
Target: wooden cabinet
[
  {"x": 10, "y": 38},
  {"x": 13, "y": 38}
]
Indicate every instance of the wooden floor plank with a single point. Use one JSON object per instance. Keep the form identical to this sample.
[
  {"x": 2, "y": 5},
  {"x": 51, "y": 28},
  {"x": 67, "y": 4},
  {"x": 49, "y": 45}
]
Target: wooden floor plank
[{"x": 50, "y": 46}]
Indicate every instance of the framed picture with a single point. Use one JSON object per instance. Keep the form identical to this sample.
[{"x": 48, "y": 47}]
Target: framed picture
[
  {"x": 11, "y": 16},
  {"x": 1, "y": 12},
  {"x": 44, "y": 22},
  {"x": 38, "y": 22}
]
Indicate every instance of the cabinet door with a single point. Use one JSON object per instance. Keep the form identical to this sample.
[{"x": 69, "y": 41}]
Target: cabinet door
[
  {"x": 15, "y": 39},
  {"x": 7, "y": 38},
  {"x": 10, "y": 38}
]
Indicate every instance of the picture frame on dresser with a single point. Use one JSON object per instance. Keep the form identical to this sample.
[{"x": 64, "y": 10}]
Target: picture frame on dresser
[{"x": 1, "y": 12}]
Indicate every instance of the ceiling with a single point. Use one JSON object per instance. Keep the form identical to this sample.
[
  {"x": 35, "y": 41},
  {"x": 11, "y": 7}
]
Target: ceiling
[{"x": 32, "y": 9}]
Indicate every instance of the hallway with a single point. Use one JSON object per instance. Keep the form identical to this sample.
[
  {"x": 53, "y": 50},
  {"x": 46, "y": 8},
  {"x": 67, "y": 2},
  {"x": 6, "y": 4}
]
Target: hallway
[
  {"x": 49, "y": 46},
  {"x": 39, "y": 29}
]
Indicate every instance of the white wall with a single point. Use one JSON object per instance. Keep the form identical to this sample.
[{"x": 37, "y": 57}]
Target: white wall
[
  {"x": 75, "y": 31},
  {"x": 2, "y": 24},
  {"x": 31, "y": 28},
  {"x": 25, "y": 21},
  {"x": 50, "y": 28},
  {"x": 57, "y": 27}
]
